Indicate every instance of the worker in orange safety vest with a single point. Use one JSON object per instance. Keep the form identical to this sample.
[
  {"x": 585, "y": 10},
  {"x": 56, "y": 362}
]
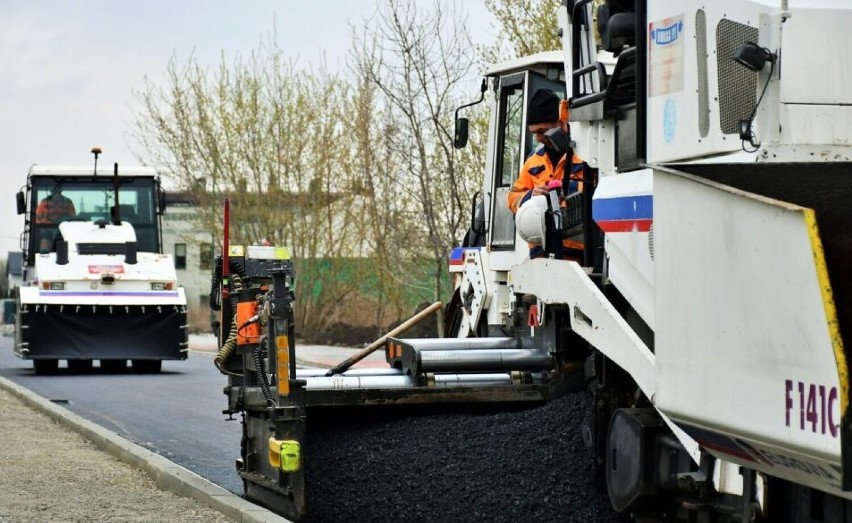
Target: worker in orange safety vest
[
  {"x": 52, "y": 210},
  {"x": 55, "y": 207},
  {"x": 545, "y": 165}
]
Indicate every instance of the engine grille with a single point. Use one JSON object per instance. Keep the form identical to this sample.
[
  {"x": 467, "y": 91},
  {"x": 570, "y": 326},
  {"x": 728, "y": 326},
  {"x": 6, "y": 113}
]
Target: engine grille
[
  {"x": 100, "y": 248},
  {"x": 737, "y": 85}
]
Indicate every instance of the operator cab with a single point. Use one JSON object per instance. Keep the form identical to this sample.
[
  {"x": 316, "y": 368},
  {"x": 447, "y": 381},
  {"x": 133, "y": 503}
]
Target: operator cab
[
  {"x": 514, "y": 82},
  {"x": 61, "y": 194},
  {"x": 511, "y": 85}
]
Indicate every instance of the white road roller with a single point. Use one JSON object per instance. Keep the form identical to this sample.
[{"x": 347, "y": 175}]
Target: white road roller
[{"x": 96, "y": 284}]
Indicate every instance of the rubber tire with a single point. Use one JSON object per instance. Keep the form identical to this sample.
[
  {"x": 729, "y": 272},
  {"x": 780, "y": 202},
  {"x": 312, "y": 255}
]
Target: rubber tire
[
  {"x": 147, "y": 366},
  {"x": 80, "y": 366},
  {"x": 45, "y": 367},
  {"x": 113, "y": 366}
]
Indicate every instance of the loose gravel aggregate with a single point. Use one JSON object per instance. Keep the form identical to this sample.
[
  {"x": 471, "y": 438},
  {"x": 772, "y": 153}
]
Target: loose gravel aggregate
[{"x": 50, "y": 473}]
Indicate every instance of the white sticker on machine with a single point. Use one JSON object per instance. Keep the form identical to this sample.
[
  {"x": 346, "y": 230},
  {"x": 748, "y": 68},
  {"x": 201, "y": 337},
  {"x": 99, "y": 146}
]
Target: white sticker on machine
[{"x": 665, "y": 74}]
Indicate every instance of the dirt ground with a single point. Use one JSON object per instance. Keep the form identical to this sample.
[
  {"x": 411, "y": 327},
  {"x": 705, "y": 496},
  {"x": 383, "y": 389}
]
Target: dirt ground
[{"x": 49, "y": 473}]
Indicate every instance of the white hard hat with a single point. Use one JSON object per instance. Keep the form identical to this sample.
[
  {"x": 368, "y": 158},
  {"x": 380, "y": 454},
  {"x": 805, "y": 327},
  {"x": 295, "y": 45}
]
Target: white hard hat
[{"x": 529, "y": 220}]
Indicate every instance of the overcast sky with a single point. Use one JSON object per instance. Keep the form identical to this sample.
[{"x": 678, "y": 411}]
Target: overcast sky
[{"x": 68, "y": 68}]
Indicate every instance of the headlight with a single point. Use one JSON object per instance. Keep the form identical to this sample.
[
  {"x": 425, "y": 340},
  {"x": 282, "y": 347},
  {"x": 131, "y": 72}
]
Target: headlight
[
  {"x": 158, "y": 286},
  {"x": 57, "y": 285}
]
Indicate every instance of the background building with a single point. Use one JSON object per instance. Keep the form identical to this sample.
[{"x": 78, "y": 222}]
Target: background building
[{"x": 192, "y": 249}]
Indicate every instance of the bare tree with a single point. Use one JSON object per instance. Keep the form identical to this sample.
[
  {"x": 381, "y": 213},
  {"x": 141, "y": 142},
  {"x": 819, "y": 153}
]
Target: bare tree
[
  {"x": 355, "y": 174},
  {"x": 270, "y": 138},
  {"x": 416, "y": 58}
]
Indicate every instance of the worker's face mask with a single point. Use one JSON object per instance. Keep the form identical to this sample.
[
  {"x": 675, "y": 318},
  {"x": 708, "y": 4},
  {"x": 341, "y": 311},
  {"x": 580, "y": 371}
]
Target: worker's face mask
[{"x": 557, "y": 140}]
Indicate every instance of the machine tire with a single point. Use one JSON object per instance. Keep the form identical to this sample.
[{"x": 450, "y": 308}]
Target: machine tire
[
  {"x": 79, "y": 366},
  {"x": 147, "y": 366},
  {"x": 45, "y": 367},
  {"x": 113, "y": 366}
]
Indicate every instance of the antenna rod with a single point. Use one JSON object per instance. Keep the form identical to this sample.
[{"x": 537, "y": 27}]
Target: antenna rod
[
  {"x": 116, "y": 216},
  {"x": 96, "y": 151}
]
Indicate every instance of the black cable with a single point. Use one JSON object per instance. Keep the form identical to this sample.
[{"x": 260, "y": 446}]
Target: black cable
[
  {"x": 257, "y": 356},
  {"x": 752, "y": 136},
  {"x": 254, "y": 319},
  {"x": 215, "y": 282},
  {"x": 235, "y": 285},
  {"x": 216, "y": 279},
  {"x": 227, "y": 350}
]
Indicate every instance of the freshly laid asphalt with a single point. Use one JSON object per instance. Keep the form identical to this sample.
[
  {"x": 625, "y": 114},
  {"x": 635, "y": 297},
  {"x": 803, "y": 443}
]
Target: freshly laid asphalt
[{"x": 166, "y": 474}]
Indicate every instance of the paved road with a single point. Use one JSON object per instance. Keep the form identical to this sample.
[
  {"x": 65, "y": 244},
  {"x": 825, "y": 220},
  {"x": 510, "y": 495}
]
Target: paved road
[{"x": 176, "y": 413}]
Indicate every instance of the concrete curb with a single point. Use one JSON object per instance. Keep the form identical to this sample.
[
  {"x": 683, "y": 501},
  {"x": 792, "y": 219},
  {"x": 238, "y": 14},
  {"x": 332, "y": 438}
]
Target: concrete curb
[{"x": 167, "y": 475}]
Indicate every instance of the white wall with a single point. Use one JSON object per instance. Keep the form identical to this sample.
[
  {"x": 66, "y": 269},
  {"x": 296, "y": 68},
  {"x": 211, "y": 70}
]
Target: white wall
[{"x": 178, "y": 227}]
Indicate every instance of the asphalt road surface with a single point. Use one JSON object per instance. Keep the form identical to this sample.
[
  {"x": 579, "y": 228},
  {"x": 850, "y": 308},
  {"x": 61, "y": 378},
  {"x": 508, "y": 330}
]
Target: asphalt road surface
[{"x": 177, "y": 413}]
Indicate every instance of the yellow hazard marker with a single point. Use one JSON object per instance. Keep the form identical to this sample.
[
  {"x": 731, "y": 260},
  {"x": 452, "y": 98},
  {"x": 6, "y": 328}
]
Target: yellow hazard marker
[
  {"x": 285, "y": 454},
  {"x": 830, "y": 308},
  {"x": 282, "y": 344}
]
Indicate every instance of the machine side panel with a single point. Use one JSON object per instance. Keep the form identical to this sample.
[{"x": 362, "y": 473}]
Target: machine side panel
[
  {"x": 811, "y": 51},
  {"x": 746, "y": 359},
  {"x": 623, "y": 208},
  {"x": 676, "y": 129}
]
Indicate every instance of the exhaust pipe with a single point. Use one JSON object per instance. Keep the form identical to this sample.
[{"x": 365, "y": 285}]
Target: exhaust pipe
[
  {"x": 130, "y": 253},
  {"x": 62, "y": 252}
]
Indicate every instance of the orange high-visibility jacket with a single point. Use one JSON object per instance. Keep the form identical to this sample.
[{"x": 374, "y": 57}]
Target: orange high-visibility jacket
[
  {"x": 54, "y": 209},
  {"x": 538, "y": 170}
]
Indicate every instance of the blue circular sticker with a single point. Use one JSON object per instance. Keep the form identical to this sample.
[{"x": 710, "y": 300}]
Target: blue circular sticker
[{"x": 669, "y": 120}]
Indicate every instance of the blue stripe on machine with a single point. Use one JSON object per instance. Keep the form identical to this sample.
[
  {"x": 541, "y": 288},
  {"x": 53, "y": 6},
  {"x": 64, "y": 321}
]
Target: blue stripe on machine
[
  {"x": 639, "y": 207},
  {"x": 457, "y": 254}
]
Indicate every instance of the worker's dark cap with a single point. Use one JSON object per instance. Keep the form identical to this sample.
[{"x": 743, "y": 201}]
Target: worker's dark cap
[{"x": 543, "y": 107}]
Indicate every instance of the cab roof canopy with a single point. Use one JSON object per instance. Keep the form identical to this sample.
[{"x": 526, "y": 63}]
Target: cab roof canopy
[
  {"x": 88, "y": 170},
  {"x": 544, "y": 60}
]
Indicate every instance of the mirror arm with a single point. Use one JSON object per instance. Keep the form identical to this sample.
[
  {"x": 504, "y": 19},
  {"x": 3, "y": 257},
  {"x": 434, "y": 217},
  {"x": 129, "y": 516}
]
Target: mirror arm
[{"x": 482, "y": 88}]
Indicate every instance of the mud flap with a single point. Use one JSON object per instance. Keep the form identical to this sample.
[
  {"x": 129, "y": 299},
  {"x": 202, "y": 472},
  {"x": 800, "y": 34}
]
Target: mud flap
[{"x": 70, "y": 332}]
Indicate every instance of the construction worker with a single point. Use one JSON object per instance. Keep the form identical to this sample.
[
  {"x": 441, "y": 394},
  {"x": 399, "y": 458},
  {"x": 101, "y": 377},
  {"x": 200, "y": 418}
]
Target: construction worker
[
  {"x": 51, "y": 210},
  {"x": 55, "y": 207},
  {"x": 546, "y": 165}
]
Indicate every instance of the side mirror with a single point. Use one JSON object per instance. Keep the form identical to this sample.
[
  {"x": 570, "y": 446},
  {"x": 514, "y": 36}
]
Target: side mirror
[
  {"x": 22, "y": 202},
  {"x": 161, "y": 202},
  {"x": 460, "y": 139}
]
